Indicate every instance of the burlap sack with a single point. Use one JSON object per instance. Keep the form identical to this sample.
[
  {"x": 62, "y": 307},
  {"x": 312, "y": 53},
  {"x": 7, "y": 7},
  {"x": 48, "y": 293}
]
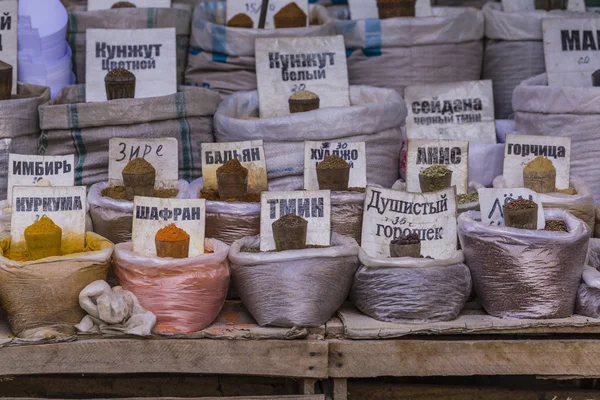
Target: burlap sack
[
  {"x": 20, "y": 125},
  {"x": 514, "y": 50},
  {"x": 128, "y": 18},
  {"x": 374, "y": 117},
  {"x": 563, "y": 111},
  {"x": 69, "y": 125},
  {"x": 222, "y": 58},
  {"x": 41, "y": 298},
  {"x": 398, "y": 52}
]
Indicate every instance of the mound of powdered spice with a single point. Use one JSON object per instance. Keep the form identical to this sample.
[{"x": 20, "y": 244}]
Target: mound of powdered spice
[
  {"x": 333, "y": 162},
  {"x": 230, "y": 166},
  {"x": 539, "y": 164},
  {"x": 520, "y": 204},
  {"x": 118, "y": 193},
  {"x": 171, "y": 233},
  {"x": 138, "y": 166},
  {"x": 436, "y": 171}
]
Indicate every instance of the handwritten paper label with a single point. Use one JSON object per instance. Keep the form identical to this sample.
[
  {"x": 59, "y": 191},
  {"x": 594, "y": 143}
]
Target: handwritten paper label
[
  {"x": 251, "y": 155},
  {"x": 388, "y": 214},
  {"x": 28, "y": 170},
  {"x": 453, "y": 154},
  {"x": 314, "y": 206},
  {"x": 367, "y": 9},
  {"x": 8, "y": 37},
  {"x": 571, "y": 50},
  {"x": 451, "y": 111},
  {"x": 94, "y": 5},
  {"x": 150, "y": 214},
  {"x": 147, "y": 53},
  {"x": 353, "y": 153},
  {"x": 491, "y": 202},
  {"x": 252, "y": 9},
  {"x": 521, "y": 149},
  {"x": 64, "y": 205},
  {"x": 161, "y": 153},
  {"x": 291, "y": 64}
]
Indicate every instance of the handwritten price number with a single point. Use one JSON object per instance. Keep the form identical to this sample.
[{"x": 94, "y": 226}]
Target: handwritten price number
[
  {"x": 298, "y": 87},
  {"x": 254, "y": 8},
  {"x": 443, "y": 131},
  {"x": 38, "y": 216},
  {"x": 342, "y": 145},
  {"x": 36, "y": 179},
  {"x": 583, "y": 60}
]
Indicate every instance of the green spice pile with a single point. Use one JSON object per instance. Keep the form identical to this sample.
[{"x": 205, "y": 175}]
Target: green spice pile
[
  {"x": 556, "y": 225},
  {"x": 231, "y": 166},
  {"x": 467, "y": 198},
  {"x": 436, "y": 170},
  {"x": 119, "y": 73},
  {"x": 333, "y": 162},
  {"x": 411, "y": 238},
  {"x": 520, "y": 204}
]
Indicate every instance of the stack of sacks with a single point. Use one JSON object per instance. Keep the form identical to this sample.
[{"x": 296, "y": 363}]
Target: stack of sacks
[{"x": 44, "y": 55}]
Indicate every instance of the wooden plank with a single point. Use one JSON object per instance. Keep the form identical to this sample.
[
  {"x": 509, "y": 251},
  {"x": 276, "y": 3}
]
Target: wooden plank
[
  {"x": 349, "y": 359},
  {"x": 296, "y": 358},
  {"x": 340, "y": 389}
]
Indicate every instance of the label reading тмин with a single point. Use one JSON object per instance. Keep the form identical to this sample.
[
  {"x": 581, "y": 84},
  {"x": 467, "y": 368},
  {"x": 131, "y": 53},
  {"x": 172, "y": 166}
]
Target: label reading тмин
[{"x": 353, "y": 153}]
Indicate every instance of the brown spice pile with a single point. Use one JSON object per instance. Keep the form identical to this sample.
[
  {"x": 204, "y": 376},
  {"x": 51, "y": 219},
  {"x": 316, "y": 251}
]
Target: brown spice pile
[
  {"x": 291, "y": 220},
  {"x": 230, "y": 166},
  {"x": 520, "y": 204},
  {"x": 357, "y": 189},
  {"x": 123, "y": 4},
  {"x": 138, "y": 166},
  {"x": 570, "y": 191},
  {"x": 241, "y": 20},
  {"x": 539, "y": 164},
  {"x": 333, "y": 162},
  {"x": 118, "y": 193},
  {"x": 411, "y": 238},
  {"x": 213, "y": 195},
  {"x": 290, "y": 11},
  {"x": 556, "y": 225},
  {"x": 119, "y": 73}
]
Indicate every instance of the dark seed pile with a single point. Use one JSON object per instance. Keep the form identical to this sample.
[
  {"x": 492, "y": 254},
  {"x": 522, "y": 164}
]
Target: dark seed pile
[
  {"x": 291, "y": 220},
  {"x": 411, "y": 238},
  {"x": 230, "y": 166},
  {"x": 333, "y": 162},
  {"x": 556, "y": 225},
  {"x": 520, "y": 204},
  {"x": 119, "y": 73}
]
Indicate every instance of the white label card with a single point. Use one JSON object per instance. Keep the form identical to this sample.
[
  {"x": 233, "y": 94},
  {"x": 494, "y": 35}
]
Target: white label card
[
  {"x": 367, "y": 9},
  {"x": 313, "y": 206},
  {"x": 390, "y": 213},
  {"x": 291, "y": 64},
  {"x": 521, "y": 149},
  {"x": 65, "y": 206},
  {"x": 148, "y": 53},
  {"x": 161, "y": 153},
  {"x": 491, "y": 202},
  {"x": 252, "y": 8},
  {"x": 94, "y": 5},
  {"x": 8, "y": 37},
  {"x": 518, "y": 5},
  {"x": 28, "y": 170},
  {"x": 451, "y": 111},
  {"x": 353, "y": 153},
  {"x": 571, "y": 50},
  {"x": 422, "y": 154},
  {"x": 576, "y": 6},
  {"x": 251, "y": 155},
  {"x": 150, "y": 214}
]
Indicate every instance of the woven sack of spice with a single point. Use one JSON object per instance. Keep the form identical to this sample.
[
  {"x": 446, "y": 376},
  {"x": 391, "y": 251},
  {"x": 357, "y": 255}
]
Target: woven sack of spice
[
  {"x": 374, "y": 117},
  {"x": 398, "y": 52},
  {"x": 295, "y": 287},
  {"x": 588, "y": 295},
  {"x": 580, "y": 205},
  {"x": 519, "y": 273},
  {"x": 514, "y": 49},
  {"x": 563, "y": 111},
  {"x": 222, "y": 57},
  {"x": 20, "y": 125},
  {"x": 69, "y": 125},
  {"x": 129, "y": 18},
  {"x": 186, "y": 295},
  {"x": 41, "y": 298},
  {"x": 416, "y": 290},
  {"x": 113, "y": 218}
]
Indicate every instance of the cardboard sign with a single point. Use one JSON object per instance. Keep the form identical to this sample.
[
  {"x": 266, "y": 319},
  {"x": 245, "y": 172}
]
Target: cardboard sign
[
  {"x": 28, "y": 170},
  {"x": 251, "y": 155},
  {"x": 66, "y": 206},
  {"x": 451, "y": 111},
  {"x": 354, "y": 154},
  {"x": 8, "y": 37},
  {"x": 491, "y": 202},
  {"x": 571, "y": 50},
  {"x": 288, "y": 65},
  {"x": 314, "y": 206},
  {"x": 252, "y": 9},
  {"x": 163, "y": 154},
  {"x": 576, "y": 6},
  {"x": 422, "y": 154},
  {"x": 150, "y": 214},
  {"x": 390, "y": 213},
  {"x": 518, "y": 5},
  {"x": 148, "y": 53},
  {"x": 520, "y": 149},
  {"x": 367, "y": 9},
  {"x": 94, "y": 5}
]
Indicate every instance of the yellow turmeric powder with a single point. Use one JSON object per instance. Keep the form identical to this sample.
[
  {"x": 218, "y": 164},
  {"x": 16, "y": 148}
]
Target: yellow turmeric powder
[
  {"x": 171, "y": 233},
  {"x": 43, "y": 239}
]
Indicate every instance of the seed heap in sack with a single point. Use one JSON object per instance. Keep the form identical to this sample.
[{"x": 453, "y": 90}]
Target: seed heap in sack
[
  {"x": 171, "y": 268},
  {"x": 522, "y": 261},
  {"x": 47, "y": 260},
  {"x": 411, "y": 270},
  {"x": 137, "y": 167},
  {"x": 296, "y": 273},
  {"x": 223, "y": 58},
  {"x": 549, "y": 175}
]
